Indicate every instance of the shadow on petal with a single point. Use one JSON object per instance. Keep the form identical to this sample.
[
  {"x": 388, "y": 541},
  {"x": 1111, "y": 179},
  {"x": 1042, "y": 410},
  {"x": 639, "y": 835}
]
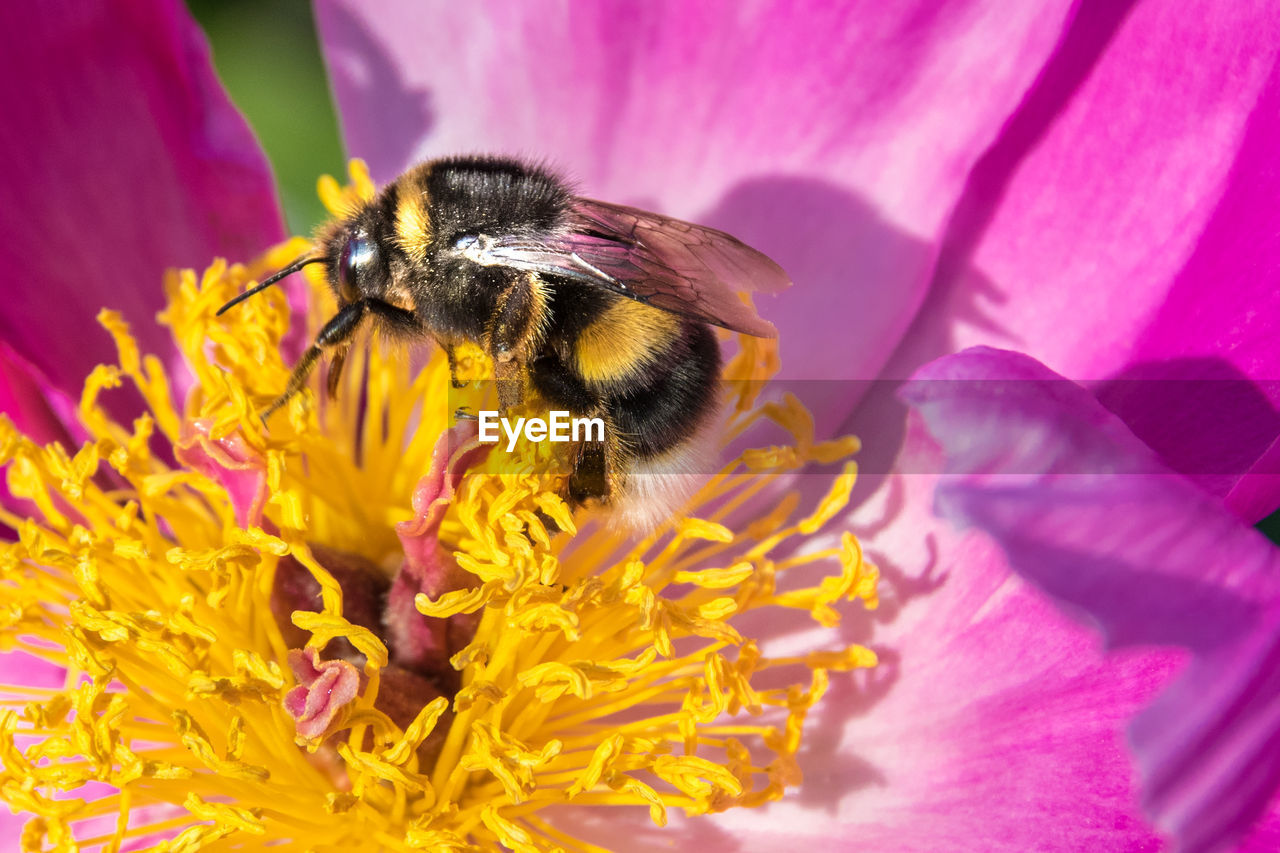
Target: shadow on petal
[
  {"x": 370, "y": 86},
  {"x": 1089, "y": 514},
  {"x": 1203, "y": 416}
]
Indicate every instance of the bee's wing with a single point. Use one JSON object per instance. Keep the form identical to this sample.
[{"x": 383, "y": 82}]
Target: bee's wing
[{"x": 666, "y": 263}]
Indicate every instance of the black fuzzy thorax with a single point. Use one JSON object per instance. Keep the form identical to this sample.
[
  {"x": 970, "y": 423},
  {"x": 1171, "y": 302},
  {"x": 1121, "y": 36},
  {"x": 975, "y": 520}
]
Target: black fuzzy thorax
[
  {"x": 489, "y": 195},
  {"x": 469, "y": 196}
]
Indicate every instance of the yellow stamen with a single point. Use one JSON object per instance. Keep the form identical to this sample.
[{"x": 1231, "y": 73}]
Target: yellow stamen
[{"x": 602, "y": 672}]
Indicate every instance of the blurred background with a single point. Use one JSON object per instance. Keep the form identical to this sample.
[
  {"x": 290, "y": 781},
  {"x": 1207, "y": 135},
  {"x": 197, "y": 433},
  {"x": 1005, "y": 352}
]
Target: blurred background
[{"x": 268, "y": 58}]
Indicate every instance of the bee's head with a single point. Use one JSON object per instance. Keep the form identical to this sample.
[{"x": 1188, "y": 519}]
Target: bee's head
[
  {"x": 356, "y": 264},
  {"x": 357, "y": 269}
]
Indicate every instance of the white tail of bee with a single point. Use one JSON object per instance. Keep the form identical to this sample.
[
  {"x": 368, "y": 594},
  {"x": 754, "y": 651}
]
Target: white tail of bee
[{"x": 659, "y": 488}]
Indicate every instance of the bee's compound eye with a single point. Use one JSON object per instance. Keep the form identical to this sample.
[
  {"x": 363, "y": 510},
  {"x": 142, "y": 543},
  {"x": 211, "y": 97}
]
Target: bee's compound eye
[{"x": 359, "y": 253}]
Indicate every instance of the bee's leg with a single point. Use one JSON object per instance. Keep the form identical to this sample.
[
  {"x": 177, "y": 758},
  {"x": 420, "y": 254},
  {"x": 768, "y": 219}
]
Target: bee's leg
[
  {"x": 395, "y": 320},
  {"x": 336, "y": 333},
  {"x": 593, "y": 471},
  {"x": 334, "y": 379},
  {"x": 453, "y": 367},
  {"x": 509, "y": 376},
  {"x": 597, "y": 466},
  {"x": 589, "y": 477},
  {"x": 513, "y": 333}
]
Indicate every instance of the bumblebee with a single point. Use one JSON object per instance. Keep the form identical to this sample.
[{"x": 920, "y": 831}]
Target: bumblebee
[{"x": 598, "y": 309}]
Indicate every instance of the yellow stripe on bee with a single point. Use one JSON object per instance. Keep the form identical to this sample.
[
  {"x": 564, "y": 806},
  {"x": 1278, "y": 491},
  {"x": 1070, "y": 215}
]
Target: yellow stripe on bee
[
  {"x": 541, "y": 316},
  {"x": 413, "y": 222},
  {"x": 625, "y": 339}
]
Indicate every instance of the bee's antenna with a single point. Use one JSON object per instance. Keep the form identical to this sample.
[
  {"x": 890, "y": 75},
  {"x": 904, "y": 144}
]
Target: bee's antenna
[{"x": 270, "y": 280}]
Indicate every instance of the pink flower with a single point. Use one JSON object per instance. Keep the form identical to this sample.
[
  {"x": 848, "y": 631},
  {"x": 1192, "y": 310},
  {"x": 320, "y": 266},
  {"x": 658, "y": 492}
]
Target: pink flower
[{"x": 1089, "y": 183}]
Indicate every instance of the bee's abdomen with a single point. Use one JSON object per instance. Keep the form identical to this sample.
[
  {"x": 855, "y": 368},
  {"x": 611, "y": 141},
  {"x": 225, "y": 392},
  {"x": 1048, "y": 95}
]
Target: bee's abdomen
[
  {"x": 666, "y": 403},
  {"x": 621, "y": 342}
]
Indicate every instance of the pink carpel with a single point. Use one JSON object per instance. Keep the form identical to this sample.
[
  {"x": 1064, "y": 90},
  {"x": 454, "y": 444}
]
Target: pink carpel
[
  {"x": 240, "y": 469},
  {"x": 416, "y": 642},
  {"x": 324, "y": 689}
]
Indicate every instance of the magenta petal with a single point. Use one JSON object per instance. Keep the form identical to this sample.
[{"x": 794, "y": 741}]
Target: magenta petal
[
  {"x": 1209, "y": 747},
  {"x": 1122, "y": 227},
  {"x": 123, "y": 157},
  {"x": 1224, "y": 442},
  {"x": 835, "y": 138},
  {"x": 1254, "y": 495},
  {"x": 41, "y": 411},
  {"x": 1220, "y": 306},
  {"x": 1085, "y": 511}
]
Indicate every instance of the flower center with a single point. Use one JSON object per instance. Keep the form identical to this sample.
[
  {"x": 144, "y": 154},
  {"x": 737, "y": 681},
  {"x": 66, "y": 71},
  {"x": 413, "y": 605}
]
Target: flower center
[{"x": 324, "y": 634}]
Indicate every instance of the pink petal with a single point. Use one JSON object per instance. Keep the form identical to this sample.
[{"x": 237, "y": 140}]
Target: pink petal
[
  {"x": 305, "y": 665},
  {"x": 124, "y": 157},
  {"x": 41, "y": 411},
  {"x": 993, "y": 723},
  {"x": 456, "y": 450},
  {"x": 1122, "y": 228},
  {"x": 1086, "y": 512},
  {"x": 836, "y": 139}
]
